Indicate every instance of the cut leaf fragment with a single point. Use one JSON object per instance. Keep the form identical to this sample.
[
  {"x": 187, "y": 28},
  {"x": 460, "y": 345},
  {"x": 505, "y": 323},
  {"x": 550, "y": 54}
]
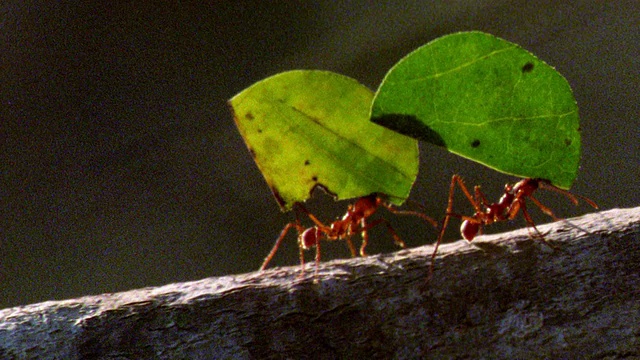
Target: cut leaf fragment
[
  {"x": 308, "y": 129},
  {"x": 488, "y": 100}
]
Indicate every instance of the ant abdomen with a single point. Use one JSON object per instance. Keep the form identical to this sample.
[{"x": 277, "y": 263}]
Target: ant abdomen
[
  {"x": 309, "y": 238},
  {"x": 469, "y": 230}
]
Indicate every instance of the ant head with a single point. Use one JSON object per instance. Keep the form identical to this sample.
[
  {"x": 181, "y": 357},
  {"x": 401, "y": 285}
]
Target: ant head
[
  {"x": 526, "y": 187},
  {"x": 382, "y": 198},
  {"x": 370, "y": 200},
  {"x": 309, "y": 238},
  {"x": 365, "y": 205}
]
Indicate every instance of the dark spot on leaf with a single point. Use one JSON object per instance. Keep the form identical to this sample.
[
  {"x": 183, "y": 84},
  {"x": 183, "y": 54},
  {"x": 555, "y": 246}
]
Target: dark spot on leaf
[
  {"x": 567, "y": 142},
  {"x": 527, "y": 68},
  {"x": 306, "y": 162},
  {"x": 475, "y": 143},
  {"x": 259, "y": 130},
  {"x": 315, "y": 179},
  {"x": 249, "y": 116},
  {"x": 411, "y": 126},
  {"x": 252, "y": 152}
]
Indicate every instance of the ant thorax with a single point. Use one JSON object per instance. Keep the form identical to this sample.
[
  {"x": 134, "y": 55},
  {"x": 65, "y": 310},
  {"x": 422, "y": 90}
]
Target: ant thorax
[{"x": 506, "y": 199}]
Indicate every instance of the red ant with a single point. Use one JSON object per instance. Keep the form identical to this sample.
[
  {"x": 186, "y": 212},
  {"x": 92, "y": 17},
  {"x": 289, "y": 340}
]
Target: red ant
[
  {"x": 354, "y": 221},
  {"x": 512, "y": 201}
]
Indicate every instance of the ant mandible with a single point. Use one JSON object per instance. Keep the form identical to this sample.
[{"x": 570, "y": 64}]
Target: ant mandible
[
  {"x": 513, "y": 201},
  {"x": 354, "y": 221}
]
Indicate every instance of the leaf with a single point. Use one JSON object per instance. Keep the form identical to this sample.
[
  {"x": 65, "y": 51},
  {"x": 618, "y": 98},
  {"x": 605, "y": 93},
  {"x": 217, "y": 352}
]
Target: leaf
[
  {"x": 488, "y": 100},
  {"x": 308, "y": 129}
]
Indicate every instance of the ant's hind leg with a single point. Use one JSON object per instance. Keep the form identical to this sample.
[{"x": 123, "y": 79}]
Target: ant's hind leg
[
  {"x": 315, "y": 274},
  {"x": 475, "y": 202},
  {"x": 275, "y": 247}
]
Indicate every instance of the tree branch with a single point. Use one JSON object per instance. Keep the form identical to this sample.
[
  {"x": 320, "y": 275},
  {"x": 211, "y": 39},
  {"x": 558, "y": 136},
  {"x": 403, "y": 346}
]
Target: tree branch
[{"x": 504, "y": 295}]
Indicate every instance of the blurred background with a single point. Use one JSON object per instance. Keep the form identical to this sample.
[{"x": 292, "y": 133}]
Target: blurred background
[{"x": 121, "y": 166}]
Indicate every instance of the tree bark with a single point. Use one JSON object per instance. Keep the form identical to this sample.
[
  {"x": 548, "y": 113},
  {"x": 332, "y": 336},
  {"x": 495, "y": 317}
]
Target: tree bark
[{"x": 501, "y": 296}]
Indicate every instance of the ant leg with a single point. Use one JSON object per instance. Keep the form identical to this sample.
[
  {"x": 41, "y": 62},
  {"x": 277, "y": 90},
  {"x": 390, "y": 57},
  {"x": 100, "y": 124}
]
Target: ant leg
[
  {"x": 365, "y": 235},
  {"x": 465, "y": 190},
  {"x": 412, "y": 213},
  {"x": 352, "y": 248},
  {"x": 284, "y": 232},
  {"x": 571, "y": 196},
  {"x": 480, "y": 197},
  {"x": 324, "y": 228},
  {"x": 449, "y": 213},
  {"x": 302, "y": 260},
  {"x": 445, "y": 222},
  {"x": 544, "y": 208},
  {"x": 315, "y": 274},
  {"x": 529, "y": 220},
  {"x": 520, "y": 205}
]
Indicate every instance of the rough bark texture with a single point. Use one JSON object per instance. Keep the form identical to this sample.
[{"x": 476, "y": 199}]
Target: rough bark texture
[{"x": 503, "y": 296}]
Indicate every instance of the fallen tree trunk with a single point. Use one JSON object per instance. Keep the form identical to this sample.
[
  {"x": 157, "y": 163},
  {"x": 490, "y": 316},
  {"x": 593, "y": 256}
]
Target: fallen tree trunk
[{"x": 502, "y": 296}]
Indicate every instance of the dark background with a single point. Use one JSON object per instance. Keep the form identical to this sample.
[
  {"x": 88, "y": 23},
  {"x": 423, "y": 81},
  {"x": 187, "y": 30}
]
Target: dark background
[{"x": 121, "y": 166}]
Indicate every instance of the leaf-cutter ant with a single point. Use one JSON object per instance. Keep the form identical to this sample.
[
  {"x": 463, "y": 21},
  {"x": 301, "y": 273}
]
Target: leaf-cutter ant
[
  {"x": 512, "y": 201},
  {"x": 353, "y": 222}
]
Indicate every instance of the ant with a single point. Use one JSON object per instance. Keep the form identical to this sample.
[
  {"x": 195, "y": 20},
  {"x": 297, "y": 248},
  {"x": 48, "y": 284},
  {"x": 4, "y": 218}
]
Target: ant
[
  {"x": 512, "y": 201},
  {"x": 354, "y": 221}
]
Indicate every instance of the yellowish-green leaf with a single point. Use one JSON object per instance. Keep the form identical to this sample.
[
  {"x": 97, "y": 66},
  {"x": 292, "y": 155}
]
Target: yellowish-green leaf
[{"x": 308, "y": 129}]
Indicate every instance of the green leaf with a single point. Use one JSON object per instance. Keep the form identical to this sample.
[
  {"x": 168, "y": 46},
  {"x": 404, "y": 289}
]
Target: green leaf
[
  {"x": 488, "y": 100},
  {"x": 308, "y": 129}
]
